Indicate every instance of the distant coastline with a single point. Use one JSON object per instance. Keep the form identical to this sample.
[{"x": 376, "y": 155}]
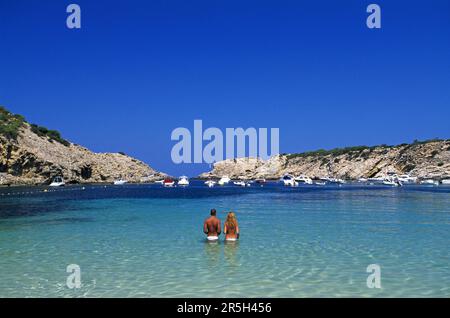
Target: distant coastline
[
  {"x": 422, "y": 159},
  {"x": 35, "y": 155}
]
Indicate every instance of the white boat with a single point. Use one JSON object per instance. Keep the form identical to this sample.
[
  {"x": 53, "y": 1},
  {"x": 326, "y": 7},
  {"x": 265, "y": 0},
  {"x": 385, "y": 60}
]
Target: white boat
[
  {"x": 429, "y": 182},
  {"x": 288, "y": 180},
  {"x": 160, "y": 181},
  {"x": 57, "y": 182},
  {"x": 224, "y": 180},
  {"x": 321, "y": 183},
  {"x": 242, "y": 183},
  {"x": 120, "y": 182},
  {"x": 405, "y": 178},
  {"x": 445, "y": 181},
  {"x": 168, "y": 182},
  {"x": 260, "y": 181},
  {"x": 336, "y": 180},
  {"x": 183, "y": 181},
  {"x": 210, "y": 183},
  {"x": 376, "y": 180},
  {"x": 303, "y": 179},
  {"x": 362, "y": 180},
  {"x": 392, "y": 181}
]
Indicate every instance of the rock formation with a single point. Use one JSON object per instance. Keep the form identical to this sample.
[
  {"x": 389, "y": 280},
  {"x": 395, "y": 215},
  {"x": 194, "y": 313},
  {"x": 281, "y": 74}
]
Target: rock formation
[
  {"x": 430, "y": 159},
  {"x": 30, "y": 157}
]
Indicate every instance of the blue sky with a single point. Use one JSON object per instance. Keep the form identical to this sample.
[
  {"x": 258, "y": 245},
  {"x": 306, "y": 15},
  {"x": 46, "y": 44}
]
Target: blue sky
[{"x": 138, "y": 69}]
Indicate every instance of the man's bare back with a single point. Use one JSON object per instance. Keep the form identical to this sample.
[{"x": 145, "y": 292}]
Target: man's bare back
[{"x": 211, "y": 227}]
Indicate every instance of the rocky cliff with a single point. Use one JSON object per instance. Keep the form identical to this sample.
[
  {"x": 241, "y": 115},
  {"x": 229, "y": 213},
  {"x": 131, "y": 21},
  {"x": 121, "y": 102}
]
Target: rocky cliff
[
  {"x": 429, "y": 159},
  {"x": 30, "y": 154}
]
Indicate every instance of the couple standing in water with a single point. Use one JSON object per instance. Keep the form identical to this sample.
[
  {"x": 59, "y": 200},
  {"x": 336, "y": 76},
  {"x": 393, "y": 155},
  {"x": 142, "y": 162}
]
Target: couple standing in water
[{"x": 212, "y": 227}]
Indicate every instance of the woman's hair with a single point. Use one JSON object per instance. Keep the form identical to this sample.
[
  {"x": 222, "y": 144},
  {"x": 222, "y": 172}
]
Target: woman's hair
[{"x": 231, "y": 221}]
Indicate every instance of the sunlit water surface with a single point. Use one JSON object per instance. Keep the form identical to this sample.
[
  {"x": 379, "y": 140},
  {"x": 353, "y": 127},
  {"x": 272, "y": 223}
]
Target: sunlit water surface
[{"x": 147, "y": 241}]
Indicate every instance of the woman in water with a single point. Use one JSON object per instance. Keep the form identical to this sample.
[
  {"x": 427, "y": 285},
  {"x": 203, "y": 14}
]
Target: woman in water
[{"x": 231, "y": 227}]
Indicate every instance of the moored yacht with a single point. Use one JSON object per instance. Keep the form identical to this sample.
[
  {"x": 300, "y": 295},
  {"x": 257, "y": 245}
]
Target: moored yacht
[
  {"x": 224, "y": 180},
  {"x": 405, "y": 178},
  {"x": 183, "y": 181},
  {"x": 376, "y": 180},
  {"x": 336, "y": 180},
  {"x": 168, "y": 182},
  {"x": 241, "y": 183},
  {"x": 288, "y": 180},
  {"x": 120, "y": 182},
  {"x": 392, "y": 181},
  {"x": 57, "y": 182},
  {"x": 210, "y": 183},
  {"x": 429, "y": 182},
  {"x": 303, "y": 179}
]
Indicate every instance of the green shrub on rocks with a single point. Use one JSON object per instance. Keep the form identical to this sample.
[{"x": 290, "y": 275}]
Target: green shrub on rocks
[
  {"x": 10, "y": 124},
  {"x": 51, "y": 134}
]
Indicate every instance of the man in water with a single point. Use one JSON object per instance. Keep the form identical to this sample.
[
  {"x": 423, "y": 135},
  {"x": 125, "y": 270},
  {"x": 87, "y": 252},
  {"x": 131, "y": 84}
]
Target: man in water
[{"x": 211, "y": 227}]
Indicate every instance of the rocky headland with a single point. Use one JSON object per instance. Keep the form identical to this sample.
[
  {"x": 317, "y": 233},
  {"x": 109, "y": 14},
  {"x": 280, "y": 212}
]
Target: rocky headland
[
  {"x": 426, "y": 159},
  {"x": 33, "y": 155}
]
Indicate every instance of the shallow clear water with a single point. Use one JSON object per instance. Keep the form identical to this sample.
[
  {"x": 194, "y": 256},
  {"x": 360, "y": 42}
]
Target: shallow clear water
[{"x": 147, "y": 241}]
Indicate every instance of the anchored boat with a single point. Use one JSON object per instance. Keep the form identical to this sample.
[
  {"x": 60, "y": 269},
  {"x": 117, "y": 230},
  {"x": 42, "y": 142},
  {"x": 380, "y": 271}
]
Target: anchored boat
[
  {"x": 183, "y": 181},
  {"x": 288, "y": 180},
  {"x": 224, "y": 180},
  {"x": 303, "y": 179},
  {"x": 120, "y": 182},
  {"x": 57, "y": 182},
  {"x": 210, "y": 183},
  {"x": 168, "y": 182}
]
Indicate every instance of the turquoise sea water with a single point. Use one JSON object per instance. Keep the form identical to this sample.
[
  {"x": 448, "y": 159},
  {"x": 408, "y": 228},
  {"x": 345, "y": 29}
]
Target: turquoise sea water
[{"x": 147, "y": 241}]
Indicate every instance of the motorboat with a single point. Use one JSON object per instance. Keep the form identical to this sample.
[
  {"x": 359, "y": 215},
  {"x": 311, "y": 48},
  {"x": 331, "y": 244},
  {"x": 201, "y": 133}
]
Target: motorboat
[
  {"x": 392, "y": 181},
  {"x": 241, "y": 183},
  {"x": 376, "y": 180},
  {"x": 210, "y": 183},
  {"x": 183, "y": 181},
  {"x": 120, "y": 182},
  {"x": 168, "y": 182},
  {"x": 338, "y": 181},
  {"x": 405, "y": 178},
  {"x": 160, "y": 181},
  {"x": 260, "y": 181},
  {"x": 57, "y": 182},
  {"x": 224, "y": 180},
  {"x": 429, "y": 182},
  {"x": 303, "y": 179},
  {"x": 445, "y": 181},
  {"x": 288, "y": 180}
]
